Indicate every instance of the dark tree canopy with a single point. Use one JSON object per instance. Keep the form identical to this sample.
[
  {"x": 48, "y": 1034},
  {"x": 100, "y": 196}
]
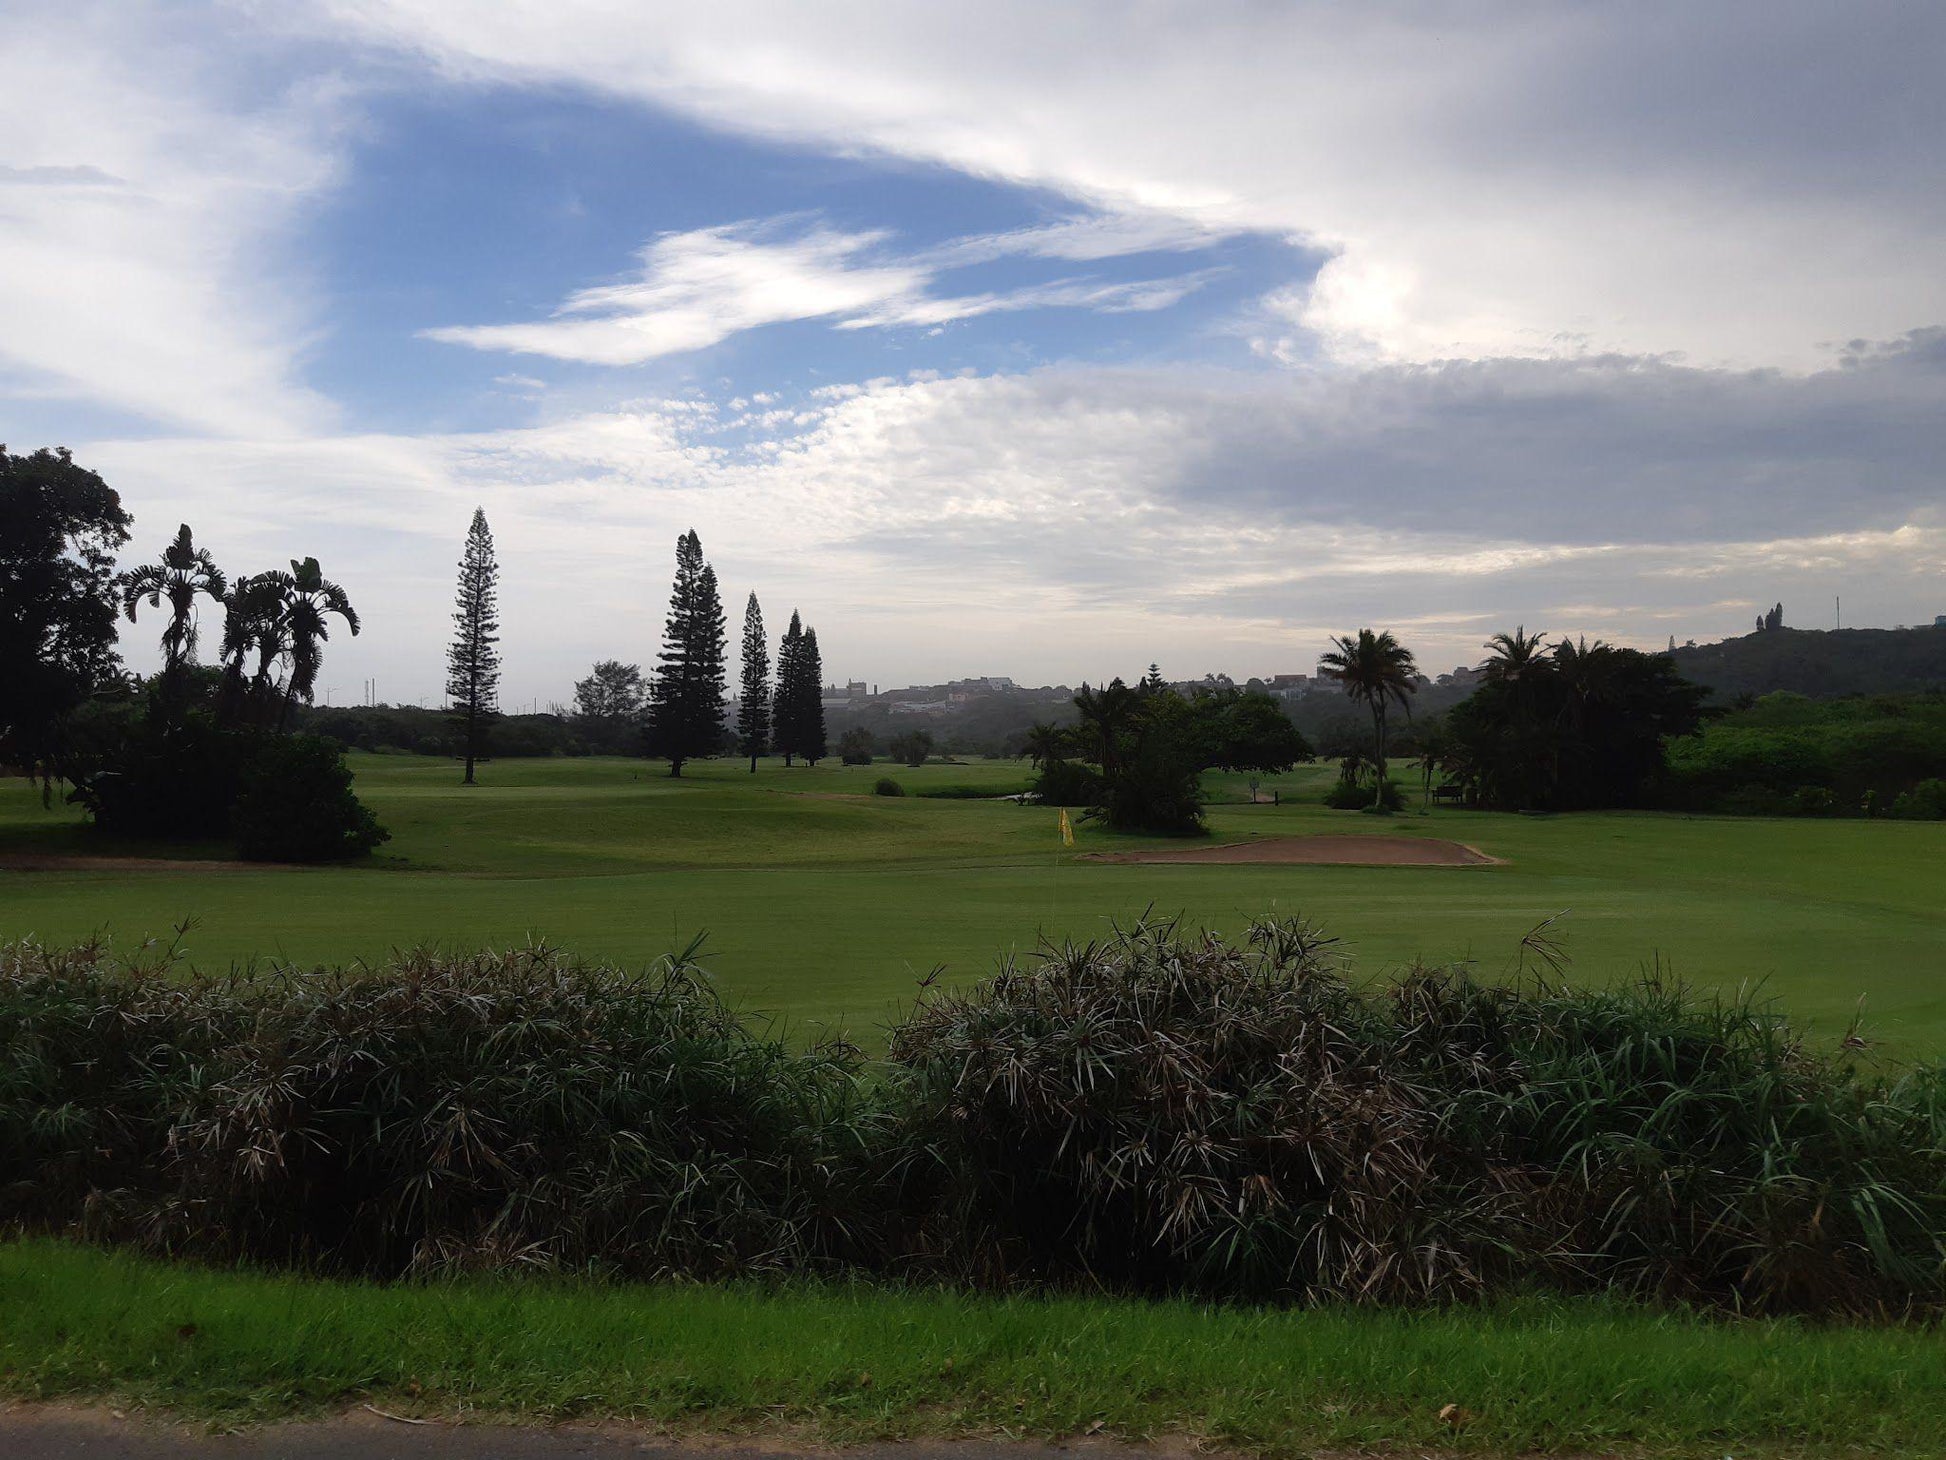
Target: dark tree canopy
[
  {"x": 753, "y": 700},
  {"x": 799, "y": 715},
  {"x": 1376, "y": 669},
  {"x": 1243, "y": 730},
  {"x": 686, "y": 698},
  {"x": 811, "y": 669},
  {"x": 1587, "y": 726},
  {"x": 473, "y": 662},
  {"x": 60, "y": 526},
  {"x": 608, "y": 708}
]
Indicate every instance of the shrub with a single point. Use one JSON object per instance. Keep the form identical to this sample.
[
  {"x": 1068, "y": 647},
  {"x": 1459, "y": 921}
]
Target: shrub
[
  {"x": 1357, "y": 796},
  {"x": 855, "y": 746},
  {"x": 295, "y": 804},
  {"x": 438, "y": 1113},
  {"x": 886, "y": 786},
  {"x": 1067, "y": 783},
  {"x": 1164, "y": 1112},
  {"x": 1924, "y": 802},
  {"x": 160, "y": 782}
]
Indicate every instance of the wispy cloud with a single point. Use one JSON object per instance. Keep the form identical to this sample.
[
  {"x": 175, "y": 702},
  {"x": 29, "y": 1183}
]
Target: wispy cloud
[{"x": 698, "y": 288}]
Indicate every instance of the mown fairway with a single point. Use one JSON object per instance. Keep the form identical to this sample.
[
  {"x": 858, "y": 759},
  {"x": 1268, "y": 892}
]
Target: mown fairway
[{"x": 824, "y": 904}]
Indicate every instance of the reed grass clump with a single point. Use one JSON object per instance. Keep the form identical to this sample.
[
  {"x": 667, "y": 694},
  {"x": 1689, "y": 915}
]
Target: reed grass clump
[
  {"x": 435, "y": 1113},
  {"x": 1159, "y": 1111}
]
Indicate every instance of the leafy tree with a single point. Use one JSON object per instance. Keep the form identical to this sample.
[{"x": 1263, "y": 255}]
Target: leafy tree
[
  {"x": 1242, "y": 730},
  {"x": 473, "y": 662},
  {"x": 60, "y": 526},
  {"x": 608, "y": 707},
  {"x": 753, "y": 703},
  {"x": 686, "y": 699},
  {"x": 1517, "y": 658},
  {"x": 1146, "y": 746},
  {"x": 310, "y": 600},
  {"x": 612, "y": 691},
  {"x": 1105, "y": 718},
  {"x": 855, "y": 746},
  {"x": 183, "y": 573},
  {"x": 912, "y": 747},
  {"x": 1379, "y": 671}
]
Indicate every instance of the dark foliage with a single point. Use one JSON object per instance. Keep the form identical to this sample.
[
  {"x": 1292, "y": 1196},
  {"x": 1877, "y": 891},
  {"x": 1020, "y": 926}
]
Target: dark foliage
[
  {"x": 1067, "y": 783},
  {"x": 1166, "y": 1112},
  {"x": 1819, "y": 663},
  {"x": 1239, "y": 730},
  {"x": 686, "y": 699},
  {"x": 855, "y": 746},
  {"x": 433, "y": 1115},
  {"x": 608, "y": 708},
  {"x": 1157, "y": 1112},
  {"x": 886, "y": 786},
  {"x": 295, "y": 803},
  {"x": 1357, "y": 794},
  {"x": 60, "y": 527},
  {"x": 753, "y": 700},
  {"x": 163, "y": 781},
  {"x": 912, "y": 747},
  {"x": 1582, "y": 727}
]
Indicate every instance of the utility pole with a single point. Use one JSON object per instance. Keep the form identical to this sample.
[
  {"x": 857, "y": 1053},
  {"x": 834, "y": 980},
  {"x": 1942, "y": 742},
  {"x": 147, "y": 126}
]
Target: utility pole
[{"x": 1837, "y": 612}]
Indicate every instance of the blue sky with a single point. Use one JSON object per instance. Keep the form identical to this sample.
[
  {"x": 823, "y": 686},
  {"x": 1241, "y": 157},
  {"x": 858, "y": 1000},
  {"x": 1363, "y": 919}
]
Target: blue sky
[{"x": 1008, "y": 338}]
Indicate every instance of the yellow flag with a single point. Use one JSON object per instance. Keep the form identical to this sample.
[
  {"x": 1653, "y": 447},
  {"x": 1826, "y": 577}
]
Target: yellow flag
[{"x": 1067, "y": 829}]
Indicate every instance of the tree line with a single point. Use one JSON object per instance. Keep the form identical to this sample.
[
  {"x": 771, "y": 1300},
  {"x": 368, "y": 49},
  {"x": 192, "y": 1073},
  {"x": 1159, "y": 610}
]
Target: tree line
[{"x": 678, "y": 712}]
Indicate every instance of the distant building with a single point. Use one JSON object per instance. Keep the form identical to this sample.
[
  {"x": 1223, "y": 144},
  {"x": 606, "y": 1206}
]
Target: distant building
[{"x": 1939, "y": 621}]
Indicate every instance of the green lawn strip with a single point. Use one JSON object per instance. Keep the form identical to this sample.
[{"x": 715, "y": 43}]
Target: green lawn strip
[{"x": 854, "y": 1362}]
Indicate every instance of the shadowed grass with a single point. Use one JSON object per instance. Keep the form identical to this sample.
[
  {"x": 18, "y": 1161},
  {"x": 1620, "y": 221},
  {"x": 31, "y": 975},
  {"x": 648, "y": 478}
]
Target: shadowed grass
[{"x": 861, "y": 1362}]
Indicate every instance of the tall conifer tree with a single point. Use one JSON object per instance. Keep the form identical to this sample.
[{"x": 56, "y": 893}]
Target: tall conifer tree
[
  {"x": 473, "y": 663},
  {"x": 686, "y": 701},
  {"x": 812, "y": 673},
  {"x": 788, "y": 716},
  {"x": 753, "y": 708}
]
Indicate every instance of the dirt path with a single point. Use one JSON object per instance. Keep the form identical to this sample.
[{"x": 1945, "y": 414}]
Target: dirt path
[
  {"x": 35, "y": 1432},
  {"x": 1324, "y": 850}
]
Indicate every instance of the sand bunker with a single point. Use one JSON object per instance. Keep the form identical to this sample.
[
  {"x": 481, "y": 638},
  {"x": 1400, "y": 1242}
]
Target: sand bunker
[{"x": 1331, "y": 851}]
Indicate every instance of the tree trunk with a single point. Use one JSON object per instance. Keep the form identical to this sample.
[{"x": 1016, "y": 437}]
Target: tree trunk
[
  {"x": 1378, "y": 727},
  {"x": 753, "y": 765}
]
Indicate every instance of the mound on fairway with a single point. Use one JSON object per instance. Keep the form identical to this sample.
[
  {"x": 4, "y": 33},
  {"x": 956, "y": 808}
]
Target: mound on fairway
[{"x": 1334, "y": 851}]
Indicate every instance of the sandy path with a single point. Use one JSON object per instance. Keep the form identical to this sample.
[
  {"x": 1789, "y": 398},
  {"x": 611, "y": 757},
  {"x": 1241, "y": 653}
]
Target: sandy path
[{"x": 1324, "y": 850}]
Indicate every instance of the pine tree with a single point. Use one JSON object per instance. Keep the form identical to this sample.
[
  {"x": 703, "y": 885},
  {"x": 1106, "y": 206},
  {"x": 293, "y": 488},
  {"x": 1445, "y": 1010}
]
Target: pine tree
[
  {"x": 788, "y": 725},
  {"x": 686, "y": 701},
  {"x": 473, "y": 664},
  {"x": 753, "y": 709},
  {"x": 812, "y": 674}
]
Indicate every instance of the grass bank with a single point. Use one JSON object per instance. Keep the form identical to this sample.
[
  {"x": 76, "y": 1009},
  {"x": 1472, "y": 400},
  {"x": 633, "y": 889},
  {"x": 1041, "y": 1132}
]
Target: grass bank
[{"x": 850, "y": 1363}]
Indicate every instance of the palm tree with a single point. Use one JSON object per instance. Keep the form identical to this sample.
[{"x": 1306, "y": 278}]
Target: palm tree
[
  {"x": 1046, "y": 743},
  {"x": 184, "y": 571},
  {"x": 1515, "y": 658},
  {"x": 1106, "y": 715},
  {"x": 309, "y": 597},
  {"x": 253, "y": 618},
  {"x": 1379, "y": 670}
]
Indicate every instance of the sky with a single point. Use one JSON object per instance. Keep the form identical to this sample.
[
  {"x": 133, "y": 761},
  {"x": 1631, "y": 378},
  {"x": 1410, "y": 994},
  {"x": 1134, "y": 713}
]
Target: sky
[{"x": 1008, "y": 338}]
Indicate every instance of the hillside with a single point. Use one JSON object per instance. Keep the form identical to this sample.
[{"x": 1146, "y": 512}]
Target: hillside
[{"x": 1822, "y": 663}]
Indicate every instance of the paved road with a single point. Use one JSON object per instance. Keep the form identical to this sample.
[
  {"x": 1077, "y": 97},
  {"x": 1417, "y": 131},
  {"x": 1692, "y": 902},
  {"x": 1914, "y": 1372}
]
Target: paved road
[{"x": 31, "y": 1433}]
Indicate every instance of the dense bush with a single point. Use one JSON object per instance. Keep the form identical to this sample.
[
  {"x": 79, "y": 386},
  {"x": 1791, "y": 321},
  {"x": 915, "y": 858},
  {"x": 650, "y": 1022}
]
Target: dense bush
[
  {"x": 295, "y": 804},
  {"x": 165, "y": 782},
  {"x": 1786, "y": 755},
  {"x": 886, "y": 786},
  {"x": 1924, "y": 802},
  {"x": 1357, "y": 795},
  {"x": 1067, "y": 783},
  {"x": 1157, "y": 1111},
  {"x": 1164, "y": 1111},
  {"x": 434, "y": 1114}
]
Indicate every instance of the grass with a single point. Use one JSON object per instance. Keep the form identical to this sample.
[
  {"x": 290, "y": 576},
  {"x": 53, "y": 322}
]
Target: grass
[
  {"x": 851, "y": 1363},
  {"x": 824, "y": 903}
]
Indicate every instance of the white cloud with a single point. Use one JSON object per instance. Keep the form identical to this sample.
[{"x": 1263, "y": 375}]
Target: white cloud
[
  {"x": 140, "y": 204},
  {"x": 1647, "y": 179},
  {"x": 1071, "y": 522},
  {"x": 700, "y": 287}
]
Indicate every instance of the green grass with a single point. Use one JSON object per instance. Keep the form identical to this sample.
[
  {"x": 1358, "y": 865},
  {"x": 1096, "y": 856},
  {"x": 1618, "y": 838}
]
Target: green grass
[
  {"x": 823, "y": 903},
  {"x": 851, "y": 1363}
]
